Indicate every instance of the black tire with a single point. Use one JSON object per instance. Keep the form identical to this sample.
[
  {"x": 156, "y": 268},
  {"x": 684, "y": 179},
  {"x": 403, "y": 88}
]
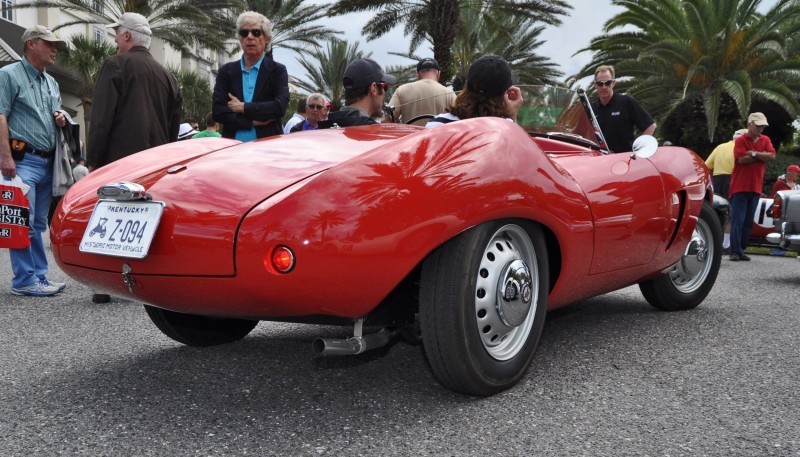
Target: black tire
[
  {"x": 688, "y": 284},
  {"x": 194, "y": 330},
  {"x": 479, "y": 342}
]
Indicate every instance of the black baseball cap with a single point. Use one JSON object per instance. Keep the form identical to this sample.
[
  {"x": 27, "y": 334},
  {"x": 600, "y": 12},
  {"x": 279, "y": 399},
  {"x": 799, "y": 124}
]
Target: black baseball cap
[
  {"x": 427, "y": 62},
  {"x": 490, "y": 75},
  {"x": 363, "y": 72}
]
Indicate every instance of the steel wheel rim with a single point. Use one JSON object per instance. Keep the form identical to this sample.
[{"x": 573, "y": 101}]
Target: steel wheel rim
[
  {"x": 504, "y": 325},
  {"x": 693, "y": 268}
]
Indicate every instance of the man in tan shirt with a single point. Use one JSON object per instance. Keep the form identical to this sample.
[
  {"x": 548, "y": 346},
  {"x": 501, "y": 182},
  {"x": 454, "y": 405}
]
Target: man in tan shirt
[{"x": 424, "y": 96}]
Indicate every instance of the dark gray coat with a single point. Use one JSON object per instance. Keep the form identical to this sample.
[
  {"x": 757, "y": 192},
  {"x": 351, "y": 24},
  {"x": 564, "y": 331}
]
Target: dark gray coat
[{"x": 136, "y": 106}]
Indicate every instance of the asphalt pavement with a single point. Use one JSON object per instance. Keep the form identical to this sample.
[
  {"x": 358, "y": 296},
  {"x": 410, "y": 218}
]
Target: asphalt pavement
[{"x": 612, "y": 377}]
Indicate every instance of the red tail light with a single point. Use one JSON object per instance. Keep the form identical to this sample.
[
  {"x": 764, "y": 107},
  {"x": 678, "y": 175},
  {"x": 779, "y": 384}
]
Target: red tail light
[
  {"x": 777, "y": 203},
  {"x": 281, "y": 260}
]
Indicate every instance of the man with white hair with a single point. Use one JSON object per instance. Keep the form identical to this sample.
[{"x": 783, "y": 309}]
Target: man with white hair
[
  {"x": 136, "y": 104},
  {"x": 316, "y": 110}
]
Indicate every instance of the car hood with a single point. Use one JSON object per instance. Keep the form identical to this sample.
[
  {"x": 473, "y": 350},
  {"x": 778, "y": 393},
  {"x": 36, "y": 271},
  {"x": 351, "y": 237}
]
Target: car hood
[{"x": 207, "y": 189}]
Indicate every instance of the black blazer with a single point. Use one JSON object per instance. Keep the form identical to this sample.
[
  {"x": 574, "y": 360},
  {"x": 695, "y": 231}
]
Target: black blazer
[{"x": 270, "y": 98}]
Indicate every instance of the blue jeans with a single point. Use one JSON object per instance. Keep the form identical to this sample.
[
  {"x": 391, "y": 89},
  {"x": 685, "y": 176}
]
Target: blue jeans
[
  {"x": 29, "y": 265},
  {"x": 743, "y": 210}
]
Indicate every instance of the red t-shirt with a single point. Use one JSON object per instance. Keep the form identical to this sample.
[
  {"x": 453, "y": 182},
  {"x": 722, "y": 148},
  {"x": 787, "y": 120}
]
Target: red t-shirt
[{"x": 749, "y": 177}]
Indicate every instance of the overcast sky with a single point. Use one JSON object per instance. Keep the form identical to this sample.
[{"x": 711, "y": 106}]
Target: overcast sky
[{"x": 585, "y": 22}]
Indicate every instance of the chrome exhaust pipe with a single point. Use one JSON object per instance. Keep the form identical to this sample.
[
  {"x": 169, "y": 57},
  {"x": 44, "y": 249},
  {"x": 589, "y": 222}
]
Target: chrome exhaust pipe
[{"x": 353, "y": 345}]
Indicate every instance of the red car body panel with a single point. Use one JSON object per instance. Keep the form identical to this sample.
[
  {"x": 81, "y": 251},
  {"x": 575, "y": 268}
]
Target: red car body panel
[{"x": 362, "y": 207}]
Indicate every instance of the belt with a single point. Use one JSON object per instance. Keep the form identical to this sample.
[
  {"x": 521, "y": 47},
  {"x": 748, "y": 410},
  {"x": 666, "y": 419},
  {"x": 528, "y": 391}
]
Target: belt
[{"x": 22, "y": 148}]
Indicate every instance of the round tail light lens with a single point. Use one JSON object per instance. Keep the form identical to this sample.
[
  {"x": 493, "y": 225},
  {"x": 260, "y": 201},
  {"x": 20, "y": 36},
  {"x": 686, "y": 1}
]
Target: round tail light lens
[{"x": 282, "y": 259}]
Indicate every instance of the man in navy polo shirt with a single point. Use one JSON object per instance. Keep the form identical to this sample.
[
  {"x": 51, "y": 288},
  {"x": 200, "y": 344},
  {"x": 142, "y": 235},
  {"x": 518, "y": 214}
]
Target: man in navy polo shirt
[{"x": 617, "y": 114}]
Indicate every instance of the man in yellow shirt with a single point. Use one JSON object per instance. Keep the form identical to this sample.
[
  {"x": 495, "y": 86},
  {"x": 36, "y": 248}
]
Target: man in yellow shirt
[{"x": 721, "y": 162}]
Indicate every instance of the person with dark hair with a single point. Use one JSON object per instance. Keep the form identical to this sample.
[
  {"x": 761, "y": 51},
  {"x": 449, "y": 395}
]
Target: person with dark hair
[
  {"x": 30, "y": 101},
  {"x": 423, "y": 96},
  {"x": 251, "y": 94},
  {"x": 211, "y": 129},
  {"x": 365, "y": 86},
  {"x": 489, "y": 91}
]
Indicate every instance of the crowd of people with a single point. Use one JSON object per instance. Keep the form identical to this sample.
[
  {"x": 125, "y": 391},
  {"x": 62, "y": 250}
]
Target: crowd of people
[{"x": 137, "y": 105}]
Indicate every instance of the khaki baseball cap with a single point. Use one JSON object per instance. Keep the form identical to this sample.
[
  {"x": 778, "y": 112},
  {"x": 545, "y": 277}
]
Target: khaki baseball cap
[
  {"x": 43, "y": 33},
  {"x": 757, "y": 119},
  {"x": 133, "y": 21}
]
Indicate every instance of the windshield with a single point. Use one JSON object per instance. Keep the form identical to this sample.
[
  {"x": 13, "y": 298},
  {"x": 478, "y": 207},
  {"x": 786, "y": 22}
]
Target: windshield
[{"x": 551, "y": 110}]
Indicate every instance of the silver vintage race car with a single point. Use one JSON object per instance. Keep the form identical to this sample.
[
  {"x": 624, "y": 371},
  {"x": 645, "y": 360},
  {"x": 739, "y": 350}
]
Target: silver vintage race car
[{"x": 786, "y": 215}]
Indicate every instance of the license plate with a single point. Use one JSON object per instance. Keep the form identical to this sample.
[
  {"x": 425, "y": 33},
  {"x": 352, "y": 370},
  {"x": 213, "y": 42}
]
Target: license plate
[{"x": 122, "y": 229}]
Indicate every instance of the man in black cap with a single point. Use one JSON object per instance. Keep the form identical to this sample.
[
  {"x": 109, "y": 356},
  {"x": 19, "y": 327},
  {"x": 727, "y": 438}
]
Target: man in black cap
[
  {"x": 365, "y": 86},
  {"x": 490, "y": 91},
  {"x": 424, "y": 96}
]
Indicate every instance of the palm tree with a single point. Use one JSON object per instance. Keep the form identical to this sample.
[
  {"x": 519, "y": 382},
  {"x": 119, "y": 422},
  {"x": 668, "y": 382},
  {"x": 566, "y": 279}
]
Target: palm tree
[
  {"x": 180, "y": 23},
  {"x": 85, "y": 57},
  {"x": 196, "y": 93},
  {"x": 702, "y": 57},
  {"x": 325, "y": 67},
  {"x": 293, "y": 23},
  {"x": 438, "y": 21},
  {"x": 515, "y": 38}
]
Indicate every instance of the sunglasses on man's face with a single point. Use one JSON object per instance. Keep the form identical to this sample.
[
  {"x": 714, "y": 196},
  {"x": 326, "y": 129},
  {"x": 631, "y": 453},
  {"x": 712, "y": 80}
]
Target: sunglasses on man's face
[
  {"x": 315, "y": 107},
  {"x": 604, "y": 83},
  {"x": 382, "y": 85},
  {"x": 256, "y": 32}
]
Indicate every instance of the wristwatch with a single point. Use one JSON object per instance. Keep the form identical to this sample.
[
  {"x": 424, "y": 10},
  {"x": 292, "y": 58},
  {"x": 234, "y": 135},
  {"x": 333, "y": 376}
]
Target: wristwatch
[{"x": 753, "y": 153}]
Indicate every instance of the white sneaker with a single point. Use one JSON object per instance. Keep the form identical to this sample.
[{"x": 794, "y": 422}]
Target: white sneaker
[
  {"x": 36, "y": 289},
  {"x": 59, "y": 285}
]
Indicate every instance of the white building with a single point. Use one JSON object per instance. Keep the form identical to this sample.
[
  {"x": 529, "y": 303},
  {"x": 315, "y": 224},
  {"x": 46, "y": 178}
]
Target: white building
[{"x": 13, "y": 23}]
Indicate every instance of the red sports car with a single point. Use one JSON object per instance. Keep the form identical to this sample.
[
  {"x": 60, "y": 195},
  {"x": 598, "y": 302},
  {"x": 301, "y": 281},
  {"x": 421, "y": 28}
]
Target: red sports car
[{"x": 468, "y": 232}]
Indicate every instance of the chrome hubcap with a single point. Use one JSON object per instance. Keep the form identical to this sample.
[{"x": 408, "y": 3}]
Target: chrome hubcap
[
  {"x": 694, "y": 266},
  {"x": 506, "y": 292}
]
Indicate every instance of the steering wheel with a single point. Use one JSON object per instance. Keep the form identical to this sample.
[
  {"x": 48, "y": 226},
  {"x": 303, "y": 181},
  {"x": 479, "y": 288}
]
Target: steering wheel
[{"x": 420, "y": 117}]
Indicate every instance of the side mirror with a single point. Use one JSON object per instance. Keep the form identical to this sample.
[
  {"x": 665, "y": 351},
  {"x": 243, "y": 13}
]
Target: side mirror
[{"x": 644, "y": 146}]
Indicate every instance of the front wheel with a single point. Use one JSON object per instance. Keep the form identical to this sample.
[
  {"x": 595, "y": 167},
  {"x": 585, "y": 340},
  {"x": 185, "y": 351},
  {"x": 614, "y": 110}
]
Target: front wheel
[
  {"x": 688, "y": 284},
  {"x": 483, "y": 298},
  {"x": 194, "y": 330}
]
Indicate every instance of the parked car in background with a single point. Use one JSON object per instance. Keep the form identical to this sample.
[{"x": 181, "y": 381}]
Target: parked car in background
[
  {"x": 786, "y": 215},
  {"x": 469, "y": 232}
]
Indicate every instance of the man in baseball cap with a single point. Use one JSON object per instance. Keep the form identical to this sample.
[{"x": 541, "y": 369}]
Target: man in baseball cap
[
  {"x": 43, "y": 33},
  {"x": 365, "y": 86},
  {"x": 752, "y": 152},
  {"x": 423, "y": 96},
  {"x": 132, "y": 21}
]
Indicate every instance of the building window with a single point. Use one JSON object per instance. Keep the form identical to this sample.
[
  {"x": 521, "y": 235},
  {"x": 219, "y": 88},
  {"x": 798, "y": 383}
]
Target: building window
[
  {"x": 97, "y": 6},
  {"x": 6, "y": 9},
  {"x": 99, "y": 35}
]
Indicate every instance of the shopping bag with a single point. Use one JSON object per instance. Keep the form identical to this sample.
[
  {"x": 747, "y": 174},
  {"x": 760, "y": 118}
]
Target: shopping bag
[{"x": 14, "y": 214}]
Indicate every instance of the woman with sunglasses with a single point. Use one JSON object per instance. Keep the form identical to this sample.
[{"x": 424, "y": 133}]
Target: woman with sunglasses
[
  {"x": 251, "y": 94},
  {"x": 617, "y": 114}
]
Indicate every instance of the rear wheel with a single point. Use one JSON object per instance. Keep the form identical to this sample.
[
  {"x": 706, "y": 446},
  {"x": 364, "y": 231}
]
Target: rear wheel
[
  {"x": 688, "y": 284},
  {"x": 483, "y": 298},
  {"x": 194, "y": 330}
]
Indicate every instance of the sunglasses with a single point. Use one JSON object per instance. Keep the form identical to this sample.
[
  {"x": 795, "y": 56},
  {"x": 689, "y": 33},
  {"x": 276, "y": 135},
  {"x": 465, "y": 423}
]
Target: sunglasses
[
  {"x": 317, "y": 107},
  {"x": 604, "y": 83},
  {"x": 383, "y": 85},
  {"x": 256, "y": 32}
]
